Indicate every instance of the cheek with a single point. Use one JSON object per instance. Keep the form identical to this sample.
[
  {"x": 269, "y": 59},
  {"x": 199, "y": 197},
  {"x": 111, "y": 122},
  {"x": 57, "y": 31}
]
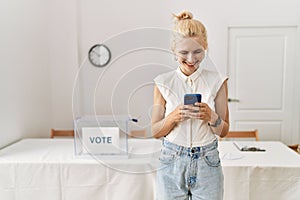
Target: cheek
[
  {"x": 181, "y": 59},
  {"x": 201, "y": 56}
]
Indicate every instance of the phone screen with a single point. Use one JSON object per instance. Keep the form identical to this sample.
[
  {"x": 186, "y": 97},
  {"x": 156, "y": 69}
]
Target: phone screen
[{"x": 192, "y": 99}]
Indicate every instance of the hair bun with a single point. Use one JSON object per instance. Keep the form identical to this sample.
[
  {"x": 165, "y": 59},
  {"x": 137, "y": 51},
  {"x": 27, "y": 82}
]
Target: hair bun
[{"x": 183, "y": 15}]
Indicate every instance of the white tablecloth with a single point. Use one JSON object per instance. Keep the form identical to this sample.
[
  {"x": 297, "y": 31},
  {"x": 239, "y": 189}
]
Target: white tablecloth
[
  {"x": 273, "y": 174},
  {"x": 47, "y": 169}
]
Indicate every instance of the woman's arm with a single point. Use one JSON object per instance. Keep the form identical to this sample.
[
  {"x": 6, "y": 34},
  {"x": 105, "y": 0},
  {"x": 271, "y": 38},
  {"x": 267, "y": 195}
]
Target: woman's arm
[
  {"x": 221, "y": 105},
  {"x": 219, "y": 126},
  {"x": 161, "y": 125}
]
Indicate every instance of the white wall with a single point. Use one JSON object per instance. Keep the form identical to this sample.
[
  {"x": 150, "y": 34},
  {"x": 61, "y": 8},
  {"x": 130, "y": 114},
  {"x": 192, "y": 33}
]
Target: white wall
[
  {"x": 25, "y": 102},
  {"x": 37, "y": 67},
  {"x": 99, "y": 20},
  {"x": 40, "y": 42},
  {"x": 63, "y": 62},
  {"x": 102, "y": 21}
]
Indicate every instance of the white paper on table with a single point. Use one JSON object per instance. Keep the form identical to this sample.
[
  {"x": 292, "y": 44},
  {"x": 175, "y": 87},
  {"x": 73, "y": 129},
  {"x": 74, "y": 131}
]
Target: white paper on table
[
  {"x": 101, "y": 140},
  {"x": 239, "y": 145},
  {"x": 231, "y": 156}
]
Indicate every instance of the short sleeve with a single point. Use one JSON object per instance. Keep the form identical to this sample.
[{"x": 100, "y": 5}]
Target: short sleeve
[
  {"x": 162, "y": 82},
  {"x": 220, "y": 83}
]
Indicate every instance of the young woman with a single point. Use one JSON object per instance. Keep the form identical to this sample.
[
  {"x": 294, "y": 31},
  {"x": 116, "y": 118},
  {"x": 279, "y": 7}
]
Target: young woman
[{"x": 190, "y": 163}]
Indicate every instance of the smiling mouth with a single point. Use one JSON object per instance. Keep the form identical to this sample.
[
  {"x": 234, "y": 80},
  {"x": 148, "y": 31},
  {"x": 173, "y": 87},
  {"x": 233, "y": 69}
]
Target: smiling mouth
[{"x": 190, "y": 65}]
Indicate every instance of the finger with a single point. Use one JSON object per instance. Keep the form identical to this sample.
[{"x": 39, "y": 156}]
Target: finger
[
  {"x": 205, "y": 117},
  {"x": 203, "y": 109},
  {"x": 194, "y": 109},
  {"x": 197, "y": 104},
  {"x": 194, "y": 115},
  {"x": 189, "y": 107},
  {"x": 202, "y": 105},
  {"x": 184, "y": 107},
  {"x": 183, "y": 113},
  {"x": 202, "y": 115}
]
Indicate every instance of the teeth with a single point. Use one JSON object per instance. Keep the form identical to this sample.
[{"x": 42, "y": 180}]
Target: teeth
[{"x": 190, "y": 65}]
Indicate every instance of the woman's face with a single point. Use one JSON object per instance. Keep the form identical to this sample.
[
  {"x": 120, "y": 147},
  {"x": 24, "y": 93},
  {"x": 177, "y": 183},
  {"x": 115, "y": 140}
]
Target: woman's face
[{"x": 189, "y": 54}]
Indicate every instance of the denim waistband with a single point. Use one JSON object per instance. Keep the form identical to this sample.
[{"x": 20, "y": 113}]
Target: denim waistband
[{"x": 187, "y": 150}]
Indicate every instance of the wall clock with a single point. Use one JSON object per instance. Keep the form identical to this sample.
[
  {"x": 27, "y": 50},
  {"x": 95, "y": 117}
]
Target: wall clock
[{"x": 99, "y": 55}]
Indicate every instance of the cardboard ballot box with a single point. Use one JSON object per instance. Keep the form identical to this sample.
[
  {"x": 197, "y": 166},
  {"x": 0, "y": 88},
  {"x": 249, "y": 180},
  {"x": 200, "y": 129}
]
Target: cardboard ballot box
[{"x": 101, "y": 136}]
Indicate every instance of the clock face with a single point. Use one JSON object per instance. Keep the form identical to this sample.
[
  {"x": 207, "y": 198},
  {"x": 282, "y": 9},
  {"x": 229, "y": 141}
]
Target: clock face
[{"x": 99, "y": 55}]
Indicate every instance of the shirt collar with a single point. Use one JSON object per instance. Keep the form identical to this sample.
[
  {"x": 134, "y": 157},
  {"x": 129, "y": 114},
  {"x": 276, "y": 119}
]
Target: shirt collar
[{"x": 192, "y": 77}]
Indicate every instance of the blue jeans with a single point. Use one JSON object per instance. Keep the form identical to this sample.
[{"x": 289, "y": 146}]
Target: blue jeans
[{"x": 189, "y": 173}]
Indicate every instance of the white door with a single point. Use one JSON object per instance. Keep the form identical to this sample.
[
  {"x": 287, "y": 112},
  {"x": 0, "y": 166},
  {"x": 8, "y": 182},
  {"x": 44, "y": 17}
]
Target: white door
[{"x": 261, "y": 67}]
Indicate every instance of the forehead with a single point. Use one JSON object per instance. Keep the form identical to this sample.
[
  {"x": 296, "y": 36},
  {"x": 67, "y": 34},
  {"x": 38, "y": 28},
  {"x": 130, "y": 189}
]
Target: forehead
[{"x": 189, "y": 44}]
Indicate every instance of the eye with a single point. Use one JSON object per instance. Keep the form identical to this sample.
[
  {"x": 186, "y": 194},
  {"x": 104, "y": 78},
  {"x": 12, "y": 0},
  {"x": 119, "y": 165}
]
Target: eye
[
  {"x": 198, "y": 51},
  {"x": 183, "y": 52}
]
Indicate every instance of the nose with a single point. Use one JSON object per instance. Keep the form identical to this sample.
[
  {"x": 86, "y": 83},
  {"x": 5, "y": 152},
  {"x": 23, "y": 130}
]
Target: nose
[{"x": 190, "y": 58}]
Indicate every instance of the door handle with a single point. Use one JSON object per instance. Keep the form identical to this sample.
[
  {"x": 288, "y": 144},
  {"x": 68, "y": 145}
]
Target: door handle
[{"x": 233, "y": 100}]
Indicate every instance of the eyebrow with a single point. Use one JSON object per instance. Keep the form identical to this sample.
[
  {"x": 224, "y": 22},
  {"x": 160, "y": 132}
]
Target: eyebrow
[{"x": 184, "y": 51}]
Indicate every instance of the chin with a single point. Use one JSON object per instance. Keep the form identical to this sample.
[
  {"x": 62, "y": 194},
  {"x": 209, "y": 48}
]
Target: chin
[{"x": 192, "y": 69}]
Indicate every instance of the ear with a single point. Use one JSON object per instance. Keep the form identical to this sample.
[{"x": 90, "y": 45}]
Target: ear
[{"x": 206, "y": 52}]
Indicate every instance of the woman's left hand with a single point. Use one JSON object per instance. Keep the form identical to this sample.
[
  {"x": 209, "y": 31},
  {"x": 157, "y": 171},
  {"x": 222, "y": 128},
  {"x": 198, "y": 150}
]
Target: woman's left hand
[{"x": 200, "y": 111}]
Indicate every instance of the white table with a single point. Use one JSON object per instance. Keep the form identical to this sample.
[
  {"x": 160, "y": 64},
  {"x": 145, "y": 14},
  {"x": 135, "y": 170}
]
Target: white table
[
  {"x": 273, "y": 174},
  {"x": 47, "y": 169}
]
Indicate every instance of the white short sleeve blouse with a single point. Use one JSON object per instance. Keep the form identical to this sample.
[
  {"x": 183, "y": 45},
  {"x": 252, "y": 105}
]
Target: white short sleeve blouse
[{"x": 173, "y": 85}]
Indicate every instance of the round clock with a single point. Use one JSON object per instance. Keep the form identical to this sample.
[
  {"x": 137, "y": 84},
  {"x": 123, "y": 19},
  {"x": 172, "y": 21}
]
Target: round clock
[{"x": 99, "y": 55}]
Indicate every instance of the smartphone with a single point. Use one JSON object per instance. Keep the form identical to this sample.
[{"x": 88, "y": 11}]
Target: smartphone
[{"x": 192, "y": 99}]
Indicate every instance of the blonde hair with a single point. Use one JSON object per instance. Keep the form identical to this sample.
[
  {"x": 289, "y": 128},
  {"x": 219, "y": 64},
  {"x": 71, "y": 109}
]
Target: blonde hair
[{"x": 186, "y": 26}]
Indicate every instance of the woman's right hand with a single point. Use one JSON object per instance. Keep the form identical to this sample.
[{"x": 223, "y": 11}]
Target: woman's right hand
[
  {"x": 179, "y": 114},
  {"x": 162, "y": 124}
]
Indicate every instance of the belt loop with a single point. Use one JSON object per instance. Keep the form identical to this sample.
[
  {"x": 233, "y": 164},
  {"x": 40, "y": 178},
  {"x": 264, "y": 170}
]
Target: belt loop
[{"x": 178, "y": 152}]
